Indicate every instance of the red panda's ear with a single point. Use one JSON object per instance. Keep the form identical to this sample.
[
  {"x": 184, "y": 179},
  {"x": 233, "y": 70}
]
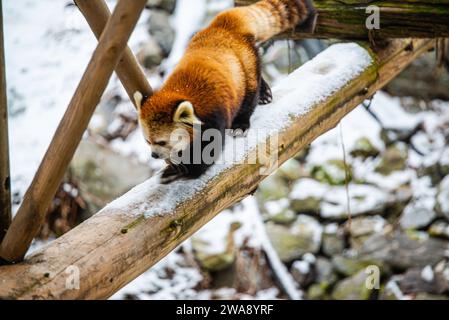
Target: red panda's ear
[
  {"x": 138, "y": 98},
  {"x": 185, "y": 113}
]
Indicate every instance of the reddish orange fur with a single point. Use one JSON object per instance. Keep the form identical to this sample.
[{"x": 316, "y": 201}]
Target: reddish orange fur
[
  {"x": 221, "y": 63},
  {"x": 219, "y": 77}
]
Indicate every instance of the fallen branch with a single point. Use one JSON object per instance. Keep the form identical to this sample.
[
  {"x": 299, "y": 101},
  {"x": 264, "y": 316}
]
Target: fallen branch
[
  {"x": 280, "y": 271},
  {"x": 134, "y": 232}
]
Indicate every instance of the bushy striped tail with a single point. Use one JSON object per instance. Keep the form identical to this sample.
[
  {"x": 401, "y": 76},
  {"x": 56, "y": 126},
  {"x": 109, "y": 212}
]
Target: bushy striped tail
[{"x": 267, "y": 18}]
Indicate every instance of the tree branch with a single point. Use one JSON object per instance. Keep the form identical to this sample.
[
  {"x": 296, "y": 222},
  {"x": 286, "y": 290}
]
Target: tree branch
[{"x": 346, "y": 19}]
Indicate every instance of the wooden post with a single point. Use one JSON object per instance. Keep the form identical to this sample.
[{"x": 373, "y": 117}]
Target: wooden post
[
  {"x": 5, "y": 183},
  {"x": 128, "y": 69},
  {"x": 119, "y": 243},
  {"x": 346, "y": 19},
  {"x": 39, "y": 195}
]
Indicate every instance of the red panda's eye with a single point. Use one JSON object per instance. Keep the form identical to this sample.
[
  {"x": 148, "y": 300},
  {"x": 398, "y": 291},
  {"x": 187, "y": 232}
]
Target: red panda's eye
[{"x": 161, "y": 143}]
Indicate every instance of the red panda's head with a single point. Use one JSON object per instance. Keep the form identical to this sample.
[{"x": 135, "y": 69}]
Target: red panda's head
[{"x": 167, "y": 123}]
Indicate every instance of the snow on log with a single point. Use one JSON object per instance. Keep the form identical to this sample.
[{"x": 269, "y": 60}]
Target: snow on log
[{"x": 137, "y": 230}]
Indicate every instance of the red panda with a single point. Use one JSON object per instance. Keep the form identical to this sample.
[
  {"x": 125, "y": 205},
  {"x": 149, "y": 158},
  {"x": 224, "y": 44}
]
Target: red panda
[{"x": 218, "y": 83}]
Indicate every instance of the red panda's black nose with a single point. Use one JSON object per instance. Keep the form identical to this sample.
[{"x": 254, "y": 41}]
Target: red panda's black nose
[{"x": 155, "y": 155}]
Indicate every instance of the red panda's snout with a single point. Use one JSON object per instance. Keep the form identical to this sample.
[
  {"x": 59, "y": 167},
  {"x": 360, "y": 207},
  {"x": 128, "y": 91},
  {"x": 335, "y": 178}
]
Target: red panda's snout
[{"x": 167, "y": 133}]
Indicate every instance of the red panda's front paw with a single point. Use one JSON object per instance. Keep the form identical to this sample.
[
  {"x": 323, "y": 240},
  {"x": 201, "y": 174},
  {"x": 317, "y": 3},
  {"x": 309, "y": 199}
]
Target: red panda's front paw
[
  {"x": 265, "y": 94},
  {"x": 170, "y": 174}
]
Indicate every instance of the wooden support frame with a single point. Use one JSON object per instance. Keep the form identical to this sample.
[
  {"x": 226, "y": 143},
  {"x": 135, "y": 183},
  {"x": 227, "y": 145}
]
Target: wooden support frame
[
  {"x": 128, "y": 69},
  {"x": 39, "y": 195},
  {"x": 346, "y": 19},
  {"x": 115, "y": 246},
  {"x": 5, "y": 183}
]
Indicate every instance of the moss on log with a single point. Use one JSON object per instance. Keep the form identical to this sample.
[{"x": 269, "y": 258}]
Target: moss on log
[{"x": 346, "y": 19}]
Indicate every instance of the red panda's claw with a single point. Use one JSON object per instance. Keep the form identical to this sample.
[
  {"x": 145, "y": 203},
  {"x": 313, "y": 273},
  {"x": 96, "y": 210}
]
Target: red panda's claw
[
  {"x": 240, "y": 132},
  {"x": 265, "y": 100},
  {"x": 265, "y": 96},
  {"x": 170, "y": 174}
]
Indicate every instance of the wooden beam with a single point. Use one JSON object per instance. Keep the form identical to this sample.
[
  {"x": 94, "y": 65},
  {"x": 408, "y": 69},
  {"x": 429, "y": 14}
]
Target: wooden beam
[
  {"x": 39, "y": 195},
  {"x": 128, "y": 69},
  {"x": 5, "y": 183},
  {"x": 133, "y": 233},
  {"x": 346, "y": 19}
]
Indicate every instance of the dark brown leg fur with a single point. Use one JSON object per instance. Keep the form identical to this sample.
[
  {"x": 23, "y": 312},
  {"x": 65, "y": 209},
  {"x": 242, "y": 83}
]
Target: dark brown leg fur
[
  {"x": 241, "y": 121},
  {"x": 265, "y": 95}
]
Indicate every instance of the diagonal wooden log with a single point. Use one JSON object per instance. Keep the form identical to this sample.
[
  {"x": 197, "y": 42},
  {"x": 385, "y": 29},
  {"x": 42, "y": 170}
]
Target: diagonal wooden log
[
  {"x": 39, "y": 195},
  {"x": 131, "y": 234},
  {"x": 347, "y": 19},
  {"x": 5, "y": 184},
  {"x": 128, "y": 69}
]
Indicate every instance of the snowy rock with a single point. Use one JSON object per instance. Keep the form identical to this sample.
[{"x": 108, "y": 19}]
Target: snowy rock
[
  {"x": 443, "y": 197},
  {"x": 151, "y": 54},
  {"x": 306, "y": 205},
  {"x": 418, "y": 214},
  {"x": 364, "y": 199},
  {"x": 352, "y": 288},
  {"x": 439, "y": 229},
  {"x": 332, "y": 172},
  {"x": 215, "y": 254},
  {"x": 363, "y": 148},
  {"x": 290, "y": 170},
  {"x": 425, "y": 280},
  {"x": 160, "y": 29},
  {"x": 325, "y": 277},
  {"x": 272, "y": 188},
  {"x": 403, "y": 194},
  {"x": 302, "y": 272},
  {"x": 167, "y": 5},
  {"x": 349, "y": 266},
  {"x": 435, "y": 165},
  {"x": 306, "y": 195},
  {"x": 404, "y": 250},
  {"x": 333, "y": 240},
  {"x": 316, "y": 292},
  {"x": 391, "y": 290},
  {"x": 394, "y": 159},
  {"x": 325, "y": 274},
  {"x": 303, "y": 236},
  {"x": 444, "y": 162},
  {"x": 278, "y": 211},
  {"x": 362, "y": 226},
  {"x": 101, "y": 175}
]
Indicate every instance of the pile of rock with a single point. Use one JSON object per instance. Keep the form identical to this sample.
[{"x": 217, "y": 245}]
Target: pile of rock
[
  {"x": 390, "y": 242},
  {"x": 162, "y": 34}
]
